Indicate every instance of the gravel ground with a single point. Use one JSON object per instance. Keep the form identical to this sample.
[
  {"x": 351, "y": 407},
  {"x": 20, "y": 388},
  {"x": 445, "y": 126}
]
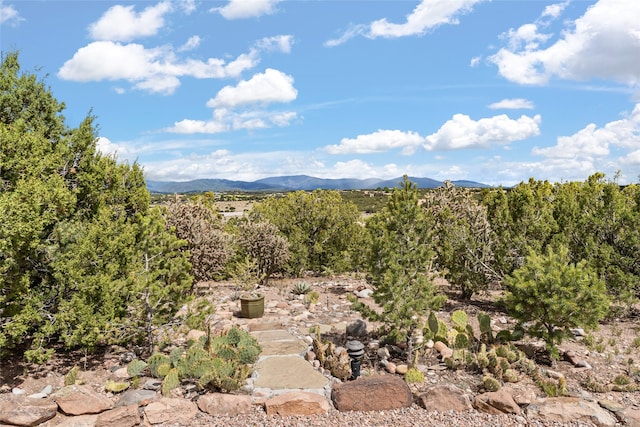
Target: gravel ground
[{"x": 413, "y": 416}]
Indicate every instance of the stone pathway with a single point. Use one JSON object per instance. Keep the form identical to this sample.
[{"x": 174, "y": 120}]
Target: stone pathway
[{"x": 282, "y": 368}]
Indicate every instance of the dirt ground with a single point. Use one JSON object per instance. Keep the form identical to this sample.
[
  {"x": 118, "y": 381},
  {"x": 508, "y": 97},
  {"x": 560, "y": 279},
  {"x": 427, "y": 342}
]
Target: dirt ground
[{"x": 612, "y": 351}]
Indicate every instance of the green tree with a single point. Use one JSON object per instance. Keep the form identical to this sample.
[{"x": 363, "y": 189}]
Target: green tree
[
  {"x": 463, "y": 234},
  {"x": 319, "y": 226},
  {"x": 600, "y": 223},
  {"x": 72, "y": 230},
  {"x": 555, "y": 295},
  {"x": 521, "y": 220},
  {"x": 400, "y": 267}
]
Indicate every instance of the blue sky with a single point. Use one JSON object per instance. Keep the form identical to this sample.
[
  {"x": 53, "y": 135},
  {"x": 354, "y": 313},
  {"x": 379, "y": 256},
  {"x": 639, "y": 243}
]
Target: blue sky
[{"x": 490, "y": 91}]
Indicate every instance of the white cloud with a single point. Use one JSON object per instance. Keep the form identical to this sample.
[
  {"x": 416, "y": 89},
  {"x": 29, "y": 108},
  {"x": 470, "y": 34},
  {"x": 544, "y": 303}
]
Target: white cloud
[
  {"x": 9, "y": 15},
  {"x": 187, "y": 6},
  {"x": 377, "y": 142},
  {"x": 591, "y": 142},
  {"x": 463, "y": 132},
  {"x": 603, "y": 43},
  {"x": 428, "y": 15},
  {"x": 153, "y": 69},
  {"x": 512, "y": 104},
  {"x": 280, "y": 43},
  {"x": 264, "y": 88},
  {"x": 240, "y": 9},
  {"x": 474, "y": 61},
  {"x": 192, "y": 43},
  {"x": 225, "y": 120},
  {"x": 122, "y": 23},
  {"x": 554, "y": 10}
]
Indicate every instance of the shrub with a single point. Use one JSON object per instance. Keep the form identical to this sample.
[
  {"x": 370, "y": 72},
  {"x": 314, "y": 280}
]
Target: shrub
[{"x": 555, "y": 296}]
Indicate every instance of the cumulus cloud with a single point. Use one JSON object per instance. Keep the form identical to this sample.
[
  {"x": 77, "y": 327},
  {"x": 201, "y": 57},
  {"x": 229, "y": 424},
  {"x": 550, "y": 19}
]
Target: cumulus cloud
[
  {"x": 225, "y": 120},
  {"x": 377, "y": 142},
  {"x": 241, "y": 9},
  {"x": 264, "y": 88},
  {"x": 429, "y": 14},
  {"x": 512, "y": 104},
  {"x": 281, "y": 43},
  {"x": 9, "y": 15},
  {"x": 603, "y": 43},
  {"x": 592, "y": 142},
  {"x": 122, "y": 23},
  {"x": 153, "y": 69},
  {"x": 463, "y": 132}
]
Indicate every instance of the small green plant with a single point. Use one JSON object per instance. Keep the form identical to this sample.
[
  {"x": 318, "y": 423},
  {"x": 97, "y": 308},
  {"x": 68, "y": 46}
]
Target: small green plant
[
  {"x": 312, "y": 298},
  {"x": 220, "y": 362},
  {"x": 72, "y": 376},
  {"x": 636, "y": 342},
  {"x": 589, "y": 341},
  {"x": 593, "y": 385},
  {"x": 414, "y": 376},
  {"x": 490, "y": 383},
  {"x": 301, "y": 288}
]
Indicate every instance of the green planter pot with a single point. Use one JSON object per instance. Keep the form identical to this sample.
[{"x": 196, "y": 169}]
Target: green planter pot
[{"x": 252, "y": 306}]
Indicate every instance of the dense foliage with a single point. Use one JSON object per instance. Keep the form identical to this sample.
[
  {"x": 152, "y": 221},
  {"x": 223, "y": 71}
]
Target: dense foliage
[
  {"x": 462, "y": 239},
  {"x": 84, "y": 261},
  {"x": 321, "y": 229}
]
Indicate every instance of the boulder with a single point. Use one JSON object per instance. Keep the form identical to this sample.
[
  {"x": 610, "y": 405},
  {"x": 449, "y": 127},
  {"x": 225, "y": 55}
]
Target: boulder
[
  {"x": 124, "y": 416},
  {"x": 496, "y": 403},
  {"x": 297, "y": 403},
  {"x": 81, "y": 400},
  {"x": 375, "y": 393},
  {"x": 224, "y": 404},
  {"x": 22, "y": 411},
  {"x": 630, "y": 417},
  {"x": 170, "y": 411},
  {"x": 445, "y": 397},
  {"x": 570, "y": 410}
]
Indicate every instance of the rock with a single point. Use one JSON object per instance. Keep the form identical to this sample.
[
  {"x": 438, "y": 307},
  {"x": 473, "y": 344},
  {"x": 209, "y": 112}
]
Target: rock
[
  {"x": 124, "y": 416},
  {"x": 611, "y": 405},
  {"x": 121, "y": 374},
  {"x": 402, "y": 369},
  {"x": 445, "y": 397},
  {"x": 390, "y": 367},
  {"x": 496, "y": 403},
  {"x": 79, "y": 421},
  {"x": 297, "y": 403},
  {"x": 20, "y": 411},
  {"x": 578, "y": 332},
  {"x": 224, "y": 404},
  {"x": 571, "y": 357},
  {"x": 365, "y": 293},
  {"x": 375, "y": 393},
  {"x": 583, "y": 364},
  {"x": 18, "y": 391},
  {"x": 383, "y": 353},
  {"x": 136, "y": 397},
  {"x": 80, "y": 400},
  {"x": 630, "y": 417},
  {"x": 570, "y": 409},
  {"x": 310, "y": 356},
  {"x": 445, "y": 352},
  {"x": 170, "y": 411},
  {"x": 357, "y": 328},
  {"x": 152, "y": 384}
]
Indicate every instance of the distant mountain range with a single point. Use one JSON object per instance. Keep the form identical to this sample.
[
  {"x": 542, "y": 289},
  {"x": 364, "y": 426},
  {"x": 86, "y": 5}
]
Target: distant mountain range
[{"x": 293, "y": 183}]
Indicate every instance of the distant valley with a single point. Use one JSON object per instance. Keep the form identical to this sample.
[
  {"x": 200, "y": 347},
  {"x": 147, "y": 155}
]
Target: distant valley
[{"x": 293, "y": 183}]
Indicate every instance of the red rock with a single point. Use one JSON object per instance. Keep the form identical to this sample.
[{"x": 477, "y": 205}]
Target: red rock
[
  {"x": 375, "y": 393},
  {"x": 445, "y": 397},
  {"x": 496, "y": 403},
  {"x": 168, "y": 410},
  {"x": 124, "y": 416},
  {"x": 297, "y": 403},
  {"x": 80, "y": 400},
  {"x": 22, "y": 411},
  {"x": 224, "y": 404}
]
